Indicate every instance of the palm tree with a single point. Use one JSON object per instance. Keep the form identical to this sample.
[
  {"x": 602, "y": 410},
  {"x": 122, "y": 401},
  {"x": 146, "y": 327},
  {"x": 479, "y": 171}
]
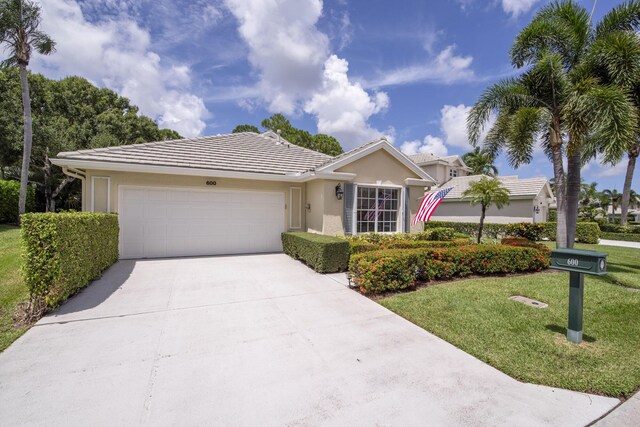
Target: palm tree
[
  {"x": 486, "y": 192},
  {"x": 556, "y": 101},
  {"x": 588, "y": 193},
  {"x": 615, "y": 198},
  {"x": 19, "y": 33},
  {"x": 480, "y": 161}
]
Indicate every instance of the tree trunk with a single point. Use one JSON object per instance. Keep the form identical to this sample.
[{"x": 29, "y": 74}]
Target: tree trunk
[
  {"x": 626, "y": 191},
  {"x": 28, "y": 138},
  {"x": 558, "y": 174},
  {"x": 51, "y": 206},
  {"x": 46, "y": 172},
  {"x": 484, "y": 211},
  {"x": 574, "y": 164}
]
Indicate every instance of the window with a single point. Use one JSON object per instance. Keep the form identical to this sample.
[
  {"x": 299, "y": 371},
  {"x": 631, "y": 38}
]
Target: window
[
  {"x": 377, "y": 210},
  {"x": 453, "y": 173}
]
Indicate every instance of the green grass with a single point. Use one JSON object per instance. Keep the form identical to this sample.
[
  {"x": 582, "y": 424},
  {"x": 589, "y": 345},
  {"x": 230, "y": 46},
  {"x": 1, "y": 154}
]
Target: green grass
[
  {"x": 529, "y": 343},
  {"x": 12, "y": 290}
]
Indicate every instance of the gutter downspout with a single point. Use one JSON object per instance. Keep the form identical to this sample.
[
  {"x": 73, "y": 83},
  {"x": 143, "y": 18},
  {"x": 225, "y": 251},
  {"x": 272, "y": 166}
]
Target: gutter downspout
[{"x": 78, "y": 174}]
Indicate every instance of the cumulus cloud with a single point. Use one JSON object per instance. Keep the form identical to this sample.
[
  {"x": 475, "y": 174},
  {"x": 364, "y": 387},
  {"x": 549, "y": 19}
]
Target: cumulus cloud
[
  {"x": 116, "y": 53},
  {"x": 445, "y": 67},
  {"x": 518, "y": 7},
  {"x": 343, "y": 108},
  {"x": 430, "y": 144},
  {"x": 453, "y": 128},
  {"x": 297, "y": 71}
]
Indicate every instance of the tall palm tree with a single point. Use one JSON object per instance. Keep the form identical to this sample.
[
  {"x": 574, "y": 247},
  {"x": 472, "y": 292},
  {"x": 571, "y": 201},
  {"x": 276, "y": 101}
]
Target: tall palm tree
[
  {"x": 588, "y": 193},
  {"x": 558, "y": 101},
  {"x": 19, "y": 34},
  {"x": 486, "y": 192},
  {"x": 480, "y": 160}
]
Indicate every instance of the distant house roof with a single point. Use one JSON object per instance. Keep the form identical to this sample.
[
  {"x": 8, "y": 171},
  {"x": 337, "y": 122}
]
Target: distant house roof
[
  {"x": 424, "y": 159},
  {"x": 518, "y": 188},
  {"x": 240, "y": 152}
]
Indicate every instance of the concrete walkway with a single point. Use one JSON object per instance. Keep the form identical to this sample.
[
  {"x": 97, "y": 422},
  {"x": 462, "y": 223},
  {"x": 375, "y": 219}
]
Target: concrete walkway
[
  {"x": 620, "y": 243},
  {"x": 626, "y": 415},
  {"x": 254, "y": 340}
]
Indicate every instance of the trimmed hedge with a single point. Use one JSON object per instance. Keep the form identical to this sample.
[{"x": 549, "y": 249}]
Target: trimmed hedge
[
  {"x": 626, "y": 237},
  {"x": 586, "y": 232},
  {"x": 400, "y": 269},
  {"x": 358, "y": 247},
  {"x": 433, "y": 234},
  {"x": 63, "y": 252},
  {"x": 523, "y": 242},
  {"x": 613, "y": 228},
  {"x": 9, "y": 194},
  {"x": 324, "y": 254}
]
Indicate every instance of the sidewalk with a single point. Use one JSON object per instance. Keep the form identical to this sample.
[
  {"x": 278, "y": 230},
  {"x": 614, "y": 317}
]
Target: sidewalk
[
  {"x": 620, "y": 243},
  {"x": 625, "y": 415}
]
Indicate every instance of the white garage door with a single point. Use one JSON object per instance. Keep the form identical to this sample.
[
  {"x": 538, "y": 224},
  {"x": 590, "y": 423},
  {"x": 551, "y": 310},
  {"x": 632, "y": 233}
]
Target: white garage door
[{"x": 164, "y": 222}]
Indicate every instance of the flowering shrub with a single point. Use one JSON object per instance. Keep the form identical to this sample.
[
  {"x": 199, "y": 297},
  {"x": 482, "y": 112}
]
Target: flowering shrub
[
  {"x": 528, "y": 230},
  {"x": 398, "y": 269},
  {"x": 521, "y": 241}
]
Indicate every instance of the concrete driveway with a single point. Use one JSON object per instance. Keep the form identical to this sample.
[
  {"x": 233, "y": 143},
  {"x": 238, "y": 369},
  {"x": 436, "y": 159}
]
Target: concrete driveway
[{"x": 254, "y": 340}]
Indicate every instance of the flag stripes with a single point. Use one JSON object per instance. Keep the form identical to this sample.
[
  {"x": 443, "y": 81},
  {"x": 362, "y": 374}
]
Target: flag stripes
[{"x": 429, "y": 204}]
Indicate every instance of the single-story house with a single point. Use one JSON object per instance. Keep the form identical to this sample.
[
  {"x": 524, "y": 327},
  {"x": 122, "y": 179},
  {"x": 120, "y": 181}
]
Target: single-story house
[
  {"x": 442, "y": 169},
  {"x": 529, "y": 201},
  {"x": 231, "y": 194}
]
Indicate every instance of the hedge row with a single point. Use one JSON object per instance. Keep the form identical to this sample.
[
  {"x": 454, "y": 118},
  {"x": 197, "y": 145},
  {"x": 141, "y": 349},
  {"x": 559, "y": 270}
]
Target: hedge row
[
  {"x": 357, "y": 247},
  {"x": 627, "y": 237},
  {"x": 63, "y": 252},
  {"x": 9, "y": 194},
  {"x": 586, "y": 232},
  {"x": 432, "y": 234},
  {"x": 399, "y": 269},
  {"x": 613, "y": 228},
  {"x": 325, "y": 254}
]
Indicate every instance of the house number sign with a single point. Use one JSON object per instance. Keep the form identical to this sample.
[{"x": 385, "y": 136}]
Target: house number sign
[{"x": 212, "y": 183}]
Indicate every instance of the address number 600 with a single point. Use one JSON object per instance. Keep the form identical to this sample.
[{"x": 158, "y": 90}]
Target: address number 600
[{"x": 573, "y": 262}]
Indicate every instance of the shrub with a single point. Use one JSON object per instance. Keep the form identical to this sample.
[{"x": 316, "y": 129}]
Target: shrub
[
  {"x": 325, "y": 254},
  {"x": 613, "y": 228},
  {"x": 9, "y": 194},
  {"x": 64, "y": 252},
  {"x": 358, "y": 247},
  {"x": 529, "y": 230},
  {"x": 398, "y": 269},
  {"x": 627, "y": 237},
  {"x": 439, "y": 234},
  {"x": 491, "y": 231},
  {"x": 522, "y": 242},
  {"x": 586, "y": 232}
]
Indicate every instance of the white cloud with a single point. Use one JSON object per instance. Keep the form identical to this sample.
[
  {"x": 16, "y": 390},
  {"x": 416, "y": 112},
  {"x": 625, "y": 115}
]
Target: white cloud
[
  {"x": 298, "y": 72},
  {"x": 343, "y": 108},
  {"x": 430, "y": 144},
  {"x": 517, "y": 7},
  {"x": 117, "y": 54},
  {"x": 446, "y": 67}
]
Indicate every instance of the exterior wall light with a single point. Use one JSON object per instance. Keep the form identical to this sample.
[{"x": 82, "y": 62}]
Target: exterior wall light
[
  {"x": 339, "y": 192},
  {"x": 536, "y": 209}
]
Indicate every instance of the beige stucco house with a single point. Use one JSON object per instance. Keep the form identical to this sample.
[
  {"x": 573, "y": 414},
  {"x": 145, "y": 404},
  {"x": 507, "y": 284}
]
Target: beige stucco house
[
  {"x": 237, "y": 193},
  {"x": 442, "y": 169},
  {"x": 529, "y": 201}
]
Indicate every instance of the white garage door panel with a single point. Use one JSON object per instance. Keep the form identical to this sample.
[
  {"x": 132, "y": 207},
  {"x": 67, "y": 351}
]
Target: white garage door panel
[{"x": 175, "y": 222}]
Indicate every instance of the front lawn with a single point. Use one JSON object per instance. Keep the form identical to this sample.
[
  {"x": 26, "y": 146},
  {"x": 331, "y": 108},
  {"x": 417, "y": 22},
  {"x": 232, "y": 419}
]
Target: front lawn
[
  {"x": 12, "y": 289},
  {"x": 529, "y": 343}
]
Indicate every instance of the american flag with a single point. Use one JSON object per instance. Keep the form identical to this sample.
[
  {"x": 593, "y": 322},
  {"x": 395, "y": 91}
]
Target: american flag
[
  {"x": 429, "y": 204},
  {"x": 371, "y": 215}
]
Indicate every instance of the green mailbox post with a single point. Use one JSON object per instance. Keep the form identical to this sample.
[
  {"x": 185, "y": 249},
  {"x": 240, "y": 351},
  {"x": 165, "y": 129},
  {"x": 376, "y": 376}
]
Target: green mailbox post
[{"x": 577, "y": 262}]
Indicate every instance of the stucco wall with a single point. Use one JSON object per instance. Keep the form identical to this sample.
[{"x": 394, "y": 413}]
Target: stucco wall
[
  {"x": 315, "y": 213},
  {"x": 379, "y": 166},
  {"x": 179, "y": 181},
  {"x": 462, "y": 211}
]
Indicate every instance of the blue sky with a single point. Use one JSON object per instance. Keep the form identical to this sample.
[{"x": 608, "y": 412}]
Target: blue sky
[{"x": 355, "y": 69}]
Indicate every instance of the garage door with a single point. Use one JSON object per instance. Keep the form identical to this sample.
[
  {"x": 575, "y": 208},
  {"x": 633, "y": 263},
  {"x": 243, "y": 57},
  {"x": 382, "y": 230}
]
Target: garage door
[{"x": 180, "y": 222}]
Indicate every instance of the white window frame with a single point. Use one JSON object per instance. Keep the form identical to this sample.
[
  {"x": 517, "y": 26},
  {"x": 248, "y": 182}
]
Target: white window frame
[
  {"x": 401, "y": 203},
  {"x": 453, "y": 173},
  {"x": 93, "y": 178},
  {"x": 291, "y": 227}
]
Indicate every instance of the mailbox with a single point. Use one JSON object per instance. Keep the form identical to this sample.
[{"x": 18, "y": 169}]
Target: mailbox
[{"x": 580, "y": 261}]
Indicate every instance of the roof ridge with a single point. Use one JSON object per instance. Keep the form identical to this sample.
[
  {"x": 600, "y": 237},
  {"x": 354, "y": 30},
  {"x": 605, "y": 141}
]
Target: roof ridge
[{"x": 262, "y": 135}]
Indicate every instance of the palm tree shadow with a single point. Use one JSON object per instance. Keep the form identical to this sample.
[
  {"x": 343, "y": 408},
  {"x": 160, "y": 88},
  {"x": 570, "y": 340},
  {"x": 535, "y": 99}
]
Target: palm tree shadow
[{"x": 563, "y": 331}]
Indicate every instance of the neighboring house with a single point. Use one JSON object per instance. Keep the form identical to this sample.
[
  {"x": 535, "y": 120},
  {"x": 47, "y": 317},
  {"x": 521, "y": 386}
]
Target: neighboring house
[
  {"x": 237, "y": 193},
  {"x": 442, "y": 169},
  {"x": 529, "y": 201}
]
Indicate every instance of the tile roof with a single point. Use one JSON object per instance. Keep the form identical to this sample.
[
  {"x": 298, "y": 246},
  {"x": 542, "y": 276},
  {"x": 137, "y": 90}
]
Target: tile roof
[
  {"x": 517, "y": 187},
  {"x": 239, "y": 152},
  {"x": 423, "y": 158}
]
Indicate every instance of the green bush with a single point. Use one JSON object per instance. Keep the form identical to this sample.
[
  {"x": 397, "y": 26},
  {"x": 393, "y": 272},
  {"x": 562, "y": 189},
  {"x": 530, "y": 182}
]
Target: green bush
[
  {"x": 627, "y": 237},
  {"x": 523, "y": 242},
  {"x": 63, "y": 252},
  {"x": 529, "y": 230},
  {"x": 325, "y": 254},
  {"x": 358, "y": 247},
  {"x": 613, "y": 228},
  {"x": 492, "y": 231},
  {"x": 399, "y": 269},
  {"x": 586, "y": 232},
  {"x": 433, "y": 234},
  {"x": 9, "y": 194}
]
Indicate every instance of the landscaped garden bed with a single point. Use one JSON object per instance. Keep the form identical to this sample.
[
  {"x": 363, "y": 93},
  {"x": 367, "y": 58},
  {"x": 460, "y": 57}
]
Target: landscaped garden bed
[{"x": 528, "y": 343}]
